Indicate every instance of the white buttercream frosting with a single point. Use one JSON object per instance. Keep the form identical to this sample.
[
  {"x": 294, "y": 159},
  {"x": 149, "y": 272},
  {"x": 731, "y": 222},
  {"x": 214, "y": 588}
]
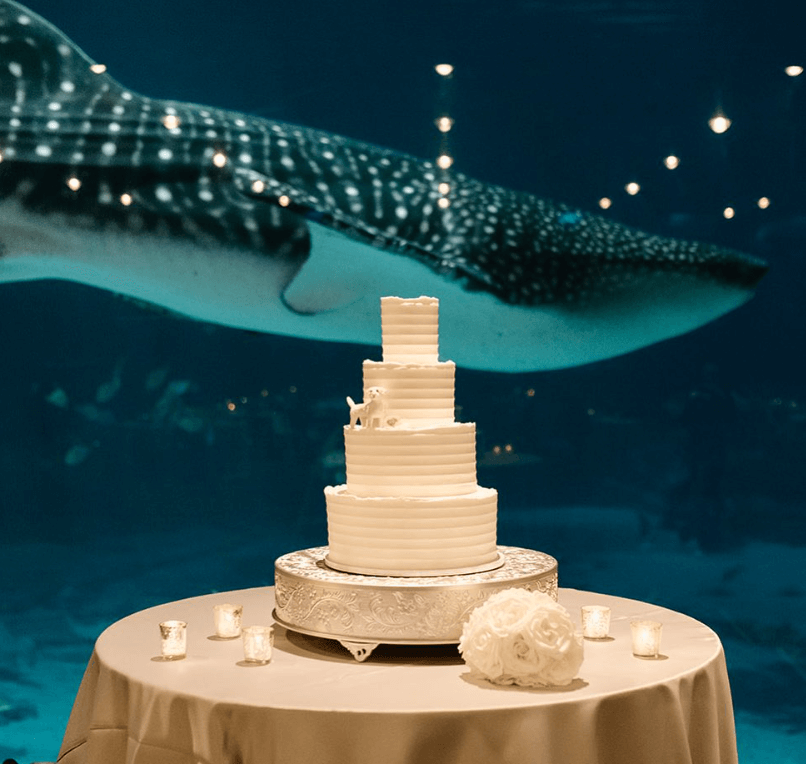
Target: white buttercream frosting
[{"x": 411, "y": 504}]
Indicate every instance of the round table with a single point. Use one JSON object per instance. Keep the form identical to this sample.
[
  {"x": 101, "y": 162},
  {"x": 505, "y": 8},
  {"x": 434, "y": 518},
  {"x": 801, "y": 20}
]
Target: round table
[{"x": 414, "y": 705}]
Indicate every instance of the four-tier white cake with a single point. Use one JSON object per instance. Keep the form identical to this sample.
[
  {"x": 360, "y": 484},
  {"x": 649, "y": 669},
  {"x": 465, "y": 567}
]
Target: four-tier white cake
[{"x": 411, "y": 505}]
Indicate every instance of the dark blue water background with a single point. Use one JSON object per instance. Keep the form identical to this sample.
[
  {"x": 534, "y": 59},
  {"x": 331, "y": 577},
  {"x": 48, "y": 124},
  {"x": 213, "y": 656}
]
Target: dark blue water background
[{"x": 698, "y": 442}]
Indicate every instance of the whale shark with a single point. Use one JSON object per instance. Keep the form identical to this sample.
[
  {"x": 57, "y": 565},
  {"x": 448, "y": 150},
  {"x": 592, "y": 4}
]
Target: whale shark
[{"x": 266, "y": 226}]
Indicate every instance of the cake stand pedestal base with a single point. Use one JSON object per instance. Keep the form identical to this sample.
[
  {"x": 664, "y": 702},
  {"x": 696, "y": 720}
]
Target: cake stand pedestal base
[{"x": 362, "y": 612}]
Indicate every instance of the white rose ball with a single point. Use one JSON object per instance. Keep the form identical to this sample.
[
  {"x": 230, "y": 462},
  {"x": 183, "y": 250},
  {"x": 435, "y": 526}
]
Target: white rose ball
[{"x": 521, "y": 637}]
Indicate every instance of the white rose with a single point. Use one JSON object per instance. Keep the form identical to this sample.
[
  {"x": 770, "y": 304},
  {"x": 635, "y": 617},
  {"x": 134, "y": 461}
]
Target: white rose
[{"x": 521, "y": 637}]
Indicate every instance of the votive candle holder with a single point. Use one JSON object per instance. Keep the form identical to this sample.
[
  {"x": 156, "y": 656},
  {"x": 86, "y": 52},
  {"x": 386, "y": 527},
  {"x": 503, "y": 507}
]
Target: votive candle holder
[
  {"x": 646, "y": 638},
  {"x": 595, "y": 621},
  {"x": 227, "y": 620},
  {"x": 174, "y": 640},
  {"x": 257, "y": 644}
]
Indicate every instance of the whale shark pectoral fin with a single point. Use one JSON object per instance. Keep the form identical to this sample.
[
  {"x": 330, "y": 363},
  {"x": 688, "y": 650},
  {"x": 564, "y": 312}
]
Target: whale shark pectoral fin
[{"x": 351, "y": 260}]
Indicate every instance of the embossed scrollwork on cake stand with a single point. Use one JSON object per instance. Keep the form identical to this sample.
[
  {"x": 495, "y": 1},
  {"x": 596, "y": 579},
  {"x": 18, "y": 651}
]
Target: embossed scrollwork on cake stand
[{"x": 361, "y": 611}]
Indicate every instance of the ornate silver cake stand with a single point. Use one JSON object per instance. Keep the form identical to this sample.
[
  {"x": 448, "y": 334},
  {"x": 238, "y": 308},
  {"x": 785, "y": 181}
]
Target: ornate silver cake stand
[{"x": 362, "y": 612}]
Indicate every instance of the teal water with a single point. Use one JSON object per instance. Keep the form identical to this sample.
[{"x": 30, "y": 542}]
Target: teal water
[{"x": 146, "y": 458}]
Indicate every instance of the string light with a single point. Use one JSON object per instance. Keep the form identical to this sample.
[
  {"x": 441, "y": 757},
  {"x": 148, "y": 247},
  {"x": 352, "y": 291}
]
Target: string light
[
  {"x": 258, "y": 187},
  {"x": 728, "y": 213},
  {"x": 126, "y": 199},
  {"x": 444, "y": 188},
  {"x": 171, "y": 121},
  {"x": 98, "y": 68},
  {"x": 73, "y": 183},
  {"x": 444, "y": 161},
  {"x": 219, "y": 159},
  {"x": 672, "y": 162},
  {"x": 763, "y": 203},
  {"x": 605, "y": 203},
  {"x": 719, "y": 123},
  {"x": 794, "y": 71},
  {"x": 284, "y": 201},
  {"x": 632, "y": 188},
  {"x": 443, "y": 202},
  {"x": 444, "y": 70},
  {"x": 444, "y": 124}
]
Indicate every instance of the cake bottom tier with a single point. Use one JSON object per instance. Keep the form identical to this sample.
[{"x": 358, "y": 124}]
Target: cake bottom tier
[{"x": 412, "y": 536}]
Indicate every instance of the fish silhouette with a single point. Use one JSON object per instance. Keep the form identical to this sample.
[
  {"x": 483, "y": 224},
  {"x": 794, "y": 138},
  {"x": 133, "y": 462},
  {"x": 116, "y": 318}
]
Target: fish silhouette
[{"x": 262, "y": 225}]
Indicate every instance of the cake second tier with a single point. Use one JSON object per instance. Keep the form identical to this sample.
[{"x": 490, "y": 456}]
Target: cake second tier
[{"x": 392, "y": 462}]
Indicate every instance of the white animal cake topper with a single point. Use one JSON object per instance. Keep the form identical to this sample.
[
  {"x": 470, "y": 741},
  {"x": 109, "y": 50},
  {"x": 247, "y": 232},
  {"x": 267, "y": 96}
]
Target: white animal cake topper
[{"x": 372, "y": 412}]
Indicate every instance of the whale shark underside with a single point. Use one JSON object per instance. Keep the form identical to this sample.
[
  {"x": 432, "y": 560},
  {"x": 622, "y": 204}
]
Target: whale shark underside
[{"x": 267, "y": 226}]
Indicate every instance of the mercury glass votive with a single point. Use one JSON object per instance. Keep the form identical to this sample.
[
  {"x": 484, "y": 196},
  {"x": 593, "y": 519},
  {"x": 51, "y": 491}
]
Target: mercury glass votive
[
  {"x": 227, "y": 620},
  {"x": 595, "y": 621},
  {"x": 174, "y": 640},
  {"x": 257, "y": 643},
  {"x": 646, "y": 638}
]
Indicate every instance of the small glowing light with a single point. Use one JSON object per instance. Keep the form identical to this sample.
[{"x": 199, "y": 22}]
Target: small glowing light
[
  {"x": 719, "y": 124},
  {"x": 496, "y": 449},
  {"x": 292, "y": 389},
  {"x": 443, "y": 202},
  {"x": 794, "y": 71},
  {"x": 258, "y": 187},
  {"x": 73, "y": 183},
  {"x": 171, "y": 121},
  {"x": 632, "y": 188},
  {"x": 126, "y": 199},
  {"x": 444, "y": 161},
  {"x": 444, "y": 188},
  {"x": 728, "y": 213},
  {"x": 230, "y": 406},
  {"x": 284, "y": 201},
  {"x": 508, "y": 448},
  {"x": 444, "y": 70},
  {"x": 672, "y": 162},
  {"x": 605, "y": 203},
  {"x": 763, "y": 203},
  {"x": 530, "y": 393},
  {"x": 444, "y": 124},
  {"x": 219, "y": 159},
  {"x": 98, "y": 68}
]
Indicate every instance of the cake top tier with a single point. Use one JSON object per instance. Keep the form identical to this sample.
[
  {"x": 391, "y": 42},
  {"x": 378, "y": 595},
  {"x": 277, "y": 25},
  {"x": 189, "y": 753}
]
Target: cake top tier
[{"x": 410, "y": 329}]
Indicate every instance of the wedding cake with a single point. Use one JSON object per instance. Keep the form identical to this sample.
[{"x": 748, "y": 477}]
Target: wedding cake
[{"x": 411, "y": 505}]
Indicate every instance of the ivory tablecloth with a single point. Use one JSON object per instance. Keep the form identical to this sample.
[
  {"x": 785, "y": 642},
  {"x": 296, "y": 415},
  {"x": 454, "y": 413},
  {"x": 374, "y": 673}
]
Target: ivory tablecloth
[{"x": 315, "y": 704}]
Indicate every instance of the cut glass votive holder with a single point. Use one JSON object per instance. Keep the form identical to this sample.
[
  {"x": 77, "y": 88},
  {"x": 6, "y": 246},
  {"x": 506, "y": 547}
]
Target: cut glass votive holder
[
  {"x": 174, "y": 640},
  {"x": 257, "y": 644},
  {"x": 595, "y": 621},
  {"x": 227, "y": 620},
  {"x": 646, "y": 638}
]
